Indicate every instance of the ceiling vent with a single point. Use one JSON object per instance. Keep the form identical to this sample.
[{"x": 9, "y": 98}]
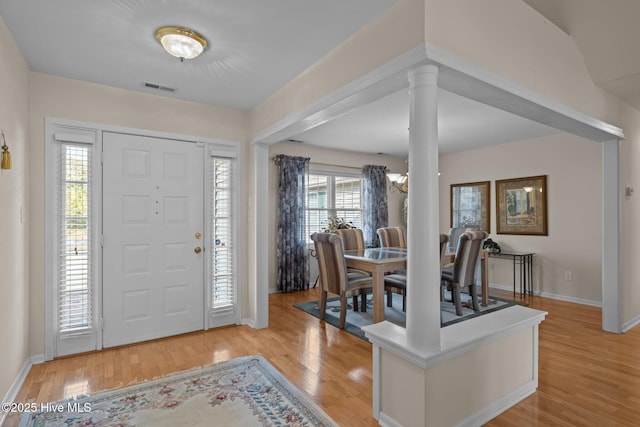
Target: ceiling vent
[{"x": 157, "y": 87}]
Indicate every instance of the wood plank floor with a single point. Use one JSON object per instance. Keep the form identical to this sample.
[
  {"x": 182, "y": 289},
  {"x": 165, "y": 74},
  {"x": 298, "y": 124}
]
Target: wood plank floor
[{"x": 587, "y": 377}]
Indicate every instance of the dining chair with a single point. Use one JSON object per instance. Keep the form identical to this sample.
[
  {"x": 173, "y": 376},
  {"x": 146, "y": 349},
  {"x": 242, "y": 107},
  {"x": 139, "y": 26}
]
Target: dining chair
[
  {"x": 353, "y": 239},
  {"x": 334, "y": 277},
  {"x": 462, "y": 272},
  {"x": 397, "y": 282},
  {"x": 392, "y": 237}
]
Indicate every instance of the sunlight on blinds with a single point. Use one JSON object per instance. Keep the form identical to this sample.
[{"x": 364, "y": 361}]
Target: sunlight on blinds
[
  {"x": 222, "y": 215},
  {"x": 74, "y": 250},
  {"x": 333, "y": 196}
]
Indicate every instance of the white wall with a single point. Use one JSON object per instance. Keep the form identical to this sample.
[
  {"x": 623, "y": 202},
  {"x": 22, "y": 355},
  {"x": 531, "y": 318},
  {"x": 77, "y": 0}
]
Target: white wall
[
  {"x": 328, "y": 157},
  {"x": 77, "y": 100},
  {"x": 14, "y": 195},
  {"x": 573, "y": 169}
]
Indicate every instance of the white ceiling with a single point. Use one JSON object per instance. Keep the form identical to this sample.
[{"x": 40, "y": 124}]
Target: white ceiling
[
  {"x": 382, "y": 126},
  {"x": 257, "y": 46}
]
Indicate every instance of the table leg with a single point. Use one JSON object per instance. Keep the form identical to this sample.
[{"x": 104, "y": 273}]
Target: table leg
[
  {"x": 378, "y": 296},
  {"x": 514, "y": 276},
  {"x": 484, "y": 273}
]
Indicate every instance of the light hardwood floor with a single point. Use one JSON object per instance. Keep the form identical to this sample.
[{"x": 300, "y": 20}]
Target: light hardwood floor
[{"x": 586, "y": 377}]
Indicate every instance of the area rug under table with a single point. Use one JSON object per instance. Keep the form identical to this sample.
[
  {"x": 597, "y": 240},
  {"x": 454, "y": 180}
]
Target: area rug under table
[
  {"x": 357, "y": 319},
  {"x": 247, "y": 391}
]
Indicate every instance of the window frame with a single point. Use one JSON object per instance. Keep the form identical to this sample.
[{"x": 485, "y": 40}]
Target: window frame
[{"x": 332, "y": 172}]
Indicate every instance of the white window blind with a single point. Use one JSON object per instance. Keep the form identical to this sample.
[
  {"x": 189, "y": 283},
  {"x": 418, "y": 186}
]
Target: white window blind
[
  {"x": 75, "y": 229},
  {"x": 331, "y": 195},
  {"x": 222, "y": 235}
]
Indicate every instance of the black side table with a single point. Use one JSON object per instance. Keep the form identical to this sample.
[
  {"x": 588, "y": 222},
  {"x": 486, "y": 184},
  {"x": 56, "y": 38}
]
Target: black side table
[{"x": 525, "y": 261}]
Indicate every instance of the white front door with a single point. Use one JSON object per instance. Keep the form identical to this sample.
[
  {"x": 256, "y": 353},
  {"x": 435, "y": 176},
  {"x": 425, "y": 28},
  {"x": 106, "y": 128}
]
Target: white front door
[{"x": 153, "y": 268}]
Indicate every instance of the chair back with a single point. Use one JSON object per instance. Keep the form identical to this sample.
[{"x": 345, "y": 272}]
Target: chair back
[
  {"x": 454, "y": 236},
  {"x": 444, "y": 241},
  {"x": 331, "y": 264},
  {"x": 351, "y": 238},
  {"x": 392, "y": 237},
  {"x": 467, "y": 255}
]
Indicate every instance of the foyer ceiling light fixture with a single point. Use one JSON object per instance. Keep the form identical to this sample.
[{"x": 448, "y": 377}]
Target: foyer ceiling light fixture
[{"x": 181, "y": 42}]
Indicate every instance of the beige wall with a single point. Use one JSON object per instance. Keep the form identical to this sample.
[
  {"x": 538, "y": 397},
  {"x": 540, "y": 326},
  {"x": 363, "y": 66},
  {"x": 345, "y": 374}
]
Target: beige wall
[
  {"x": 573, "y": 169},
  {"x": 326, "y": 157},
  {"x": 514, "y": 41},
  {"x": 76, "y": 100},
  {"x": 14, "y": 198},
  {"x": 394, "y": 32}
]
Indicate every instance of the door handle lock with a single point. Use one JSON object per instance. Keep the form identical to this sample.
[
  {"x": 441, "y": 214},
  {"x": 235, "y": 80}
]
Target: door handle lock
[{"x": 198, "y": 249}]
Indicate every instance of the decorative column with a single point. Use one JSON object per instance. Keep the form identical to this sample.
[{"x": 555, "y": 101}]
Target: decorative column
[{"x": 423, "y": 302}]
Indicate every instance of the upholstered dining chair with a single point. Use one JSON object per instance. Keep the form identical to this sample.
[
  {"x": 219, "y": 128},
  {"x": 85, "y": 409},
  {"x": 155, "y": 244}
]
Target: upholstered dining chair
[
  {"x": 334, "y": 277},
  {"x": 353, "y": 239},
  {"x": 397, "y": 282},
  {"x": 462, "y": 272},
  {"x": 392, "y": 237}
]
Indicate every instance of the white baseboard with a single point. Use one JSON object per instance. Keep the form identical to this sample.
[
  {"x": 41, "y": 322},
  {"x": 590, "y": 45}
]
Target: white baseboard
[
  {"x": 499, "y": 406},
  {"x": 13, "y": 391},
  {"x": 627, "y": 326},
  {"x": 552, "y": 296},
  {"x": 484, "y": 415},
  {"x": 248, "y": 322},
  {"x": 386, "y": 421}
]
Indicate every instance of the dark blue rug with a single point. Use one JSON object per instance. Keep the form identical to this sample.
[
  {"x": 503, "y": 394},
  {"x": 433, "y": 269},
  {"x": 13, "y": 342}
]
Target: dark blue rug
[{"x": 357, "y": 319}]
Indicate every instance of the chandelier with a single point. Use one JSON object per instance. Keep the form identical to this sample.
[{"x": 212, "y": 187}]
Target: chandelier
[{"x": 399, "y": 182}]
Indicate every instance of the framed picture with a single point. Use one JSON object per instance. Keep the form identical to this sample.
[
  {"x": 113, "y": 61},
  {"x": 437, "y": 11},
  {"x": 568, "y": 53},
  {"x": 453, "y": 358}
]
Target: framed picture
[
  {"x": 521, "y": 204},
  {"x": 470, "y": 206}
]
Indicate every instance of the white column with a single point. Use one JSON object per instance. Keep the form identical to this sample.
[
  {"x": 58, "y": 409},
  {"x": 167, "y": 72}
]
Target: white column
[
  {"x": 260, "y": 291},
  {"x": 423, "y": 301},
  {"x": 611, "y": 277}
]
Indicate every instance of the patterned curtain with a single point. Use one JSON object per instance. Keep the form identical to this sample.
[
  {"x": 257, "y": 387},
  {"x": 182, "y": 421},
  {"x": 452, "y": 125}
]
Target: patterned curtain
[
  {"x": 376, "y": 212},
  {"x": 293, "y": 265}
]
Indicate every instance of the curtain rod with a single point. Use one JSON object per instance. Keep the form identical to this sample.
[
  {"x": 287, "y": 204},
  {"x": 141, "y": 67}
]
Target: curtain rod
[{"x": 275, "y": 159}]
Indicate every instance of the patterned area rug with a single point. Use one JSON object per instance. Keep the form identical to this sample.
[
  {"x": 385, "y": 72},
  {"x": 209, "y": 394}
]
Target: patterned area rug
[
  {"x": 358, "y": 319},
  {"x": 247, "y": 391}
]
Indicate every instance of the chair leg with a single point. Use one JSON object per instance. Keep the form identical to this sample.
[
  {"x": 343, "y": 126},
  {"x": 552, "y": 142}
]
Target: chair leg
[
  {"x": 473, "y": 291},
  {"x": 455, "y": 293},
  {"x": 354, "y": 300},
  {"x": 363, "y": 303},
  {"x": 404, "y": 302},
  {"x": 343, "y": 310},
  {"x": 323, "y": 304},
  {"x": 389, "y": 298}
]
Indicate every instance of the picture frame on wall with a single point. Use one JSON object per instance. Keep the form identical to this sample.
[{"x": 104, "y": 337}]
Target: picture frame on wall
[
  {"x": 521, "y": 206},
  {"x": 470, "y": 205}
]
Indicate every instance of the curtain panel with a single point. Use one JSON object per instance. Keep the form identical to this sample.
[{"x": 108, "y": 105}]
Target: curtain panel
[
  {"x": 292, "y": 254},
  {"x": 376, "y": 211}
]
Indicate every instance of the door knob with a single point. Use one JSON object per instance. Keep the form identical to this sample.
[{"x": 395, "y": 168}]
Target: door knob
[{"x": 198, "y": 249}]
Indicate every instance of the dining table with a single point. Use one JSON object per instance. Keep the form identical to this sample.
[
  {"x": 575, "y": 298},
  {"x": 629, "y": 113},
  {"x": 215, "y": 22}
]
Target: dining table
[{"x": 377, "y": 261}]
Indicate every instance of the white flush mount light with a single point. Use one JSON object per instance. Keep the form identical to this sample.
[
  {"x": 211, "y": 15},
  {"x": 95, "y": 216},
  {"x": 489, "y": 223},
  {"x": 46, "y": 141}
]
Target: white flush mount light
[{"x": 181, "y": 42}]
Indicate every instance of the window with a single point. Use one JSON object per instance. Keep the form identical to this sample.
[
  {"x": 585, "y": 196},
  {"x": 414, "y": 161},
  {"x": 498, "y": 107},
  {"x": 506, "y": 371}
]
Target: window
[
  {"x": 72, "y": 170},
  {"x": 222, "y": 260},
  {"x": 75, "y": 228},
  {"x": 221, "y": 234},
  {"x": 330, "y": 195}
]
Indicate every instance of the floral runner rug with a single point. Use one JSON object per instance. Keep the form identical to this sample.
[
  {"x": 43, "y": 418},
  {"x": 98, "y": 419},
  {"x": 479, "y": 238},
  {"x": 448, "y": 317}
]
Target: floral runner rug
[{"x": 247, "y": 391}]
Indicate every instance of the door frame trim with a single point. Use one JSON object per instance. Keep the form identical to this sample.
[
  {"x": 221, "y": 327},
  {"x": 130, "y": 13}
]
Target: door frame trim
[{"x": 51, "y": 124}]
